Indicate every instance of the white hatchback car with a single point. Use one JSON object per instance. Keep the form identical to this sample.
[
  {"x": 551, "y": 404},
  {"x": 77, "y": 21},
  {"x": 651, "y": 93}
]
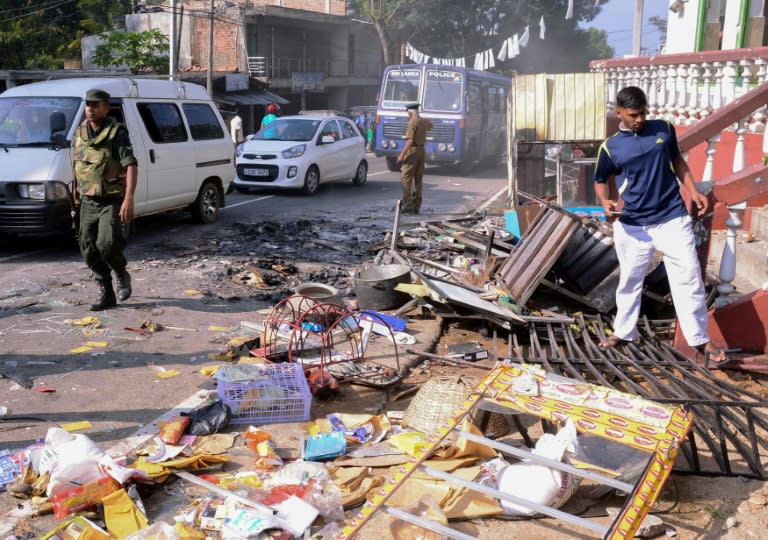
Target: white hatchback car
[{"x": 303, "y": 152}]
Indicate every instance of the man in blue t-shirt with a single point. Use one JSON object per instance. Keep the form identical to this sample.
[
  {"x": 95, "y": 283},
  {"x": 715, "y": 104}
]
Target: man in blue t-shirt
[{"x": 645, "y": 162}]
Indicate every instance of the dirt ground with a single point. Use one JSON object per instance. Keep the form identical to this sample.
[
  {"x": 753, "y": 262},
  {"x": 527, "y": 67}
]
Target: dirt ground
[{"x": 210, "y": 283}]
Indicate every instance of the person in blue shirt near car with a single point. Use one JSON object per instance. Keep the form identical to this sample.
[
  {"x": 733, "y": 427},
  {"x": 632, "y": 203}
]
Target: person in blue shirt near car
[
  {"x": 271, "y": 116},
  {"x": 645, "y": 162}
]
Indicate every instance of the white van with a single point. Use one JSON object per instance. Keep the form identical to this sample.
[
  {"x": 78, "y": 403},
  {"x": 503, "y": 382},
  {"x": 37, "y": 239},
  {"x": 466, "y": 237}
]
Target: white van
[{"x": 185, "y": 154}]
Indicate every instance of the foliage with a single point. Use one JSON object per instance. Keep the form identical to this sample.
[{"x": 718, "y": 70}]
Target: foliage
[
  {"x": 660, "y": 24},
  {"x": 456, "y": 28},
  {"x": 139, "y": 51},
  {"x": 39, "y": 34}
]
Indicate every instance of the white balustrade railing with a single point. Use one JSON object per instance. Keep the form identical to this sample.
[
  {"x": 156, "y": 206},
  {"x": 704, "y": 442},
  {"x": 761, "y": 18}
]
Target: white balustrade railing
[
  {"x": 687, "y": 88},
  {"x": 684, "y": 88}
]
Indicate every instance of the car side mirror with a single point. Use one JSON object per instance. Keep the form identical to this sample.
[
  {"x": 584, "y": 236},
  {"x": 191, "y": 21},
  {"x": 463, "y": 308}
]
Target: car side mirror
[
  {"x": 58, "y": 122},
  {"x": 327, "y": 139},
  {"x": 59, "y": 140}
]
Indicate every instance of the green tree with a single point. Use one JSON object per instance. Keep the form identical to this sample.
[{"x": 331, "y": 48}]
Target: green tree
[
  {"x": 460, "y": 28},
  {"x": 660, "y": 24},
  {"x": 140, "y": 51}
]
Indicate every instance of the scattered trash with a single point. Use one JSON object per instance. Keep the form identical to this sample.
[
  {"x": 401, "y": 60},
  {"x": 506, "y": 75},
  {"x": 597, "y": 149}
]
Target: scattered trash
[{"x": 76, "y": 426}]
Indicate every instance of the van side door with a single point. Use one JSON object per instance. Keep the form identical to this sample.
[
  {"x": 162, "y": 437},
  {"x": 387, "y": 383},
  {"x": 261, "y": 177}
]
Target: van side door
[
  {"x": 214, "y": 151},
  {"x": 169, "y": 156},
  {"x": 127, "y": 117}
]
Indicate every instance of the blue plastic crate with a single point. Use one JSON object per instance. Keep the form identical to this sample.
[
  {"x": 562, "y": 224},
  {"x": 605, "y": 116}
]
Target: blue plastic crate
[{"x": 276, "y": 393}]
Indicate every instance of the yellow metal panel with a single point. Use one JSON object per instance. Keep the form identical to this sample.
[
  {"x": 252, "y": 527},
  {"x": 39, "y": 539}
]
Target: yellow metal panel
[{"x": 559, "y": 107}]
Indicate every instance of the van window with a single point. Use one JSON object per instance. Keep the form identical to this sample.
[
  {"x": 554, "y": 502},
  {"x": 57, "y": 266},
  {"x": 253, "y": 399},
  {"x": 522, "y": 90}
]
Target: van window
[
  {"x": 202, "y": 121},
  {"x": 163, "y": 122}
]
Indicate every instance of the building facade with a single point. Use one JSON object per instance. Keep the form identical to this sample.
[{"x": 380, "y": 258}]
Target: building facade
[{"x": 709, "y": 25}]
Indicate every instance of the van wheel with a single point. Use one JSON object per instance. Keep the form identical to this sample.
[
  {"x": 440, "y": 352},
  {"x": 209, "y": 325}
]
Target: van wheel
[
  {"x": 206, "y": 207},
  {"x": 312, "y": 181},
  {"x": 392, "y": 164},
  {"x": 362, "y": 174}
]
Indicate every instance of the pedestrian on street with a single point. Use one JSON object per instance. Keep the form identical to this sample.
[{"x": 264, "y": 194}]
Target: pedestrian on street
[
  {"x": 236, "y": 128},
  {"x": 644, "y": 160},
  {"x": 105, "y": 181},
  {"x": 412, "y": 158},
  {"x": 271, "y": 116}
]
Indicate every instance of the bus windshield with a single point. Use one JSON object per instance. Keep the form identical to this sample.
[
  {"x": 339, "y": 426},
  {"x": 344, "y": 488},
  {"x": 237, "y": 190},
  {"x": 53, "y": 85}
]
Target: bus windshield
[
  {"x": 443, "y": 90},
  {"x": 401, "y": 87}
]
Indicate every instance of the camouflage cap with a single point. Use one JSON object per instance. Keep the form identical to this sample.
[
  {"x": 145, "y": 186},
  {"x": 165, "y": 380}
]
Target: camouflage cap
[{"x": 95, "y": 94}]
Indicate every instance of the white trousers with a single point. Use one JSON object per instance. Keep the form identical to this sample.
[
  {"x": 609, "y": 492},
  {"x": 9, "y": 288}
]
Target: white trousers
[{"x": 635, "y": 247}]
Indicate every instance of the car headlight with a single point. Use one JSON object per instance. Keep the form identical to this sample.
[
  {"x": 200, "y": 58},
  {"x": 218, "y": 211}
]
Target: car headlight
[
  {"x": 393, "y": 144},
  {"x": 32, "y": 191},
  {"x": 451, "y": 148},
  {"x": 239, "y": 150},
  {"x": 295, "y": 151},
  {"x": 441, "y": 147}
]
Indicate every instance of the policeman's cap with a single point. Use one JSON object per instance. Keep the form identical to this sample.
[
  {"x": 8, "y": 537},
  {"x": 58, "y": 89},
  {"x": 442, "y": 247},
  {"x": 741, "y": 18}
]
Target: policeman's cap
[
  {"x": 95, "y": 94},
  {"x": 414, "y": 106}
]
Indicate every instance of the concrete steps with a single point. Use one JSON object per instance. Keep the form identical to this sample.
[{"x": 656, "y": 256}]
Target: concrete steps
[{"x": 751, "y": 256}]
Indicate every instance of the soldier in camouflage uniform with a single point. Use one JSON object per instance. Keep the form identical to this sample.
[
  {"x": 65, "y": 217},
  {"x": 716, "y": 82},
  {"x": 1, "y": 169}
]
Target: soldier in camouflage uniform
[
  {"x": 413, "y": 157},
  {"x": 105, "y": 176}
]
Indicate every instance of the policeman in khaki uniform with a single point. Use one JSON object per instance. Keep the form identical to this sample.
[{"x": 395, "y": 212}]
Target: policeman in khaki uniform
[
  {"x": 105, "y": 177},
  {"x": 413, "y": 157}
]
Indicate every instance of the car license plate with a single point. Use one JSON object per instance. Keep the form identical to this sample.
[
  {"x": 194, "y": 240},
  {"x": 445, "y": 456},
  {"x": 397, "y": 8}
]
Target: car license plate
[{"x": 256, "y": 172}]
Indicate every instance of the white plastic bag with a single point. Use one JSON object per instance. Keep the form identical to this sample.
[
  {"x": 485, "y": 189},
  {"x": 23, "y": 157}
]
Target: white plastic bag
[
  {"x": 539, "y": 483},
  {"x": 71, "y": 458}
]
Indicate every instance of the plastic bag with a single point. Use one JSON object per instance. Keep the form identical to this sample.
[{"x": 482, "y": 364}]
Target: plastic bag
[
  {"x": 426, "y": 508},
  {"x": 260, "y": 442},
  {"x": 72, "y": 459},
  {"x": 208, "y": 419},
  {"x": 156, "y": 531},
  {"x": 539, "y": 483}
]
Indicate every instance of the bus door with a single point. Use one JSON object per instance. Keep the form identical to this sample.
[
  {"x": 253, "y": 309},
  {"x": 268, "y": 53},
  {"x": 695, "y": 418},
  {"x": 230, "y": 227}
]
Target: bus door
[{"x": 485, "y": 145}]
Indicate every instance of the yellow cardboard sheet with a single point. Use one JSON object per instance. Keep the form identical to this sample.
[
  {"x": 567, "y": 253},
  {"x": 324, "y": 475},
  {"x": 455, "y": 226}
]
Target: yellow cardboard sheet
[
  {"x": 455, "y": 501},
  {"x": 122, "y": 515}
]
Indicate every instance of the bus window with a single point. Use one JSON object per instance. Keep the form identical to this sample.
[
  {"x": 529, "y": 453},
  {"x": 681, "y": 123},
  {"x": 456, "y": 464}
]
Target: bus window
[
  {"x": 401, "y": 87},
  {"x": 443, "y": 90}
]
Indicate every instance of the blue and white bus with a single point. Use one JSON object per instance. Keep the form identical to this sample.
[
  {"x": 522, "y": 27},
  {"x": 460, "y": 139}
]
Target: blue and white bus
[{"x": 468, "y": 109}]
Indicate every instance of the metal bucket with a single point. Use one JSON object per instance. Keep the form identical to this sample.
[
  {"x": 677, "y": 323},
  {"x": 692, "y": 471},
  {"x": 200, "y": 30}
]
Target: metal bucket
[
  {"x": 325, "y": 294},
  {"x": 375, "y": 286}
]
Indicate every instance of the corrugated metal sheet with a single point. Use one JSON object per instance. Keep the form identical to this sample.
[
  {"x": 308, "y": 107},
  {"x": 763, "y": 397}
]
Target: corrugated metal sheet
[{"x": 559, "y": 107}]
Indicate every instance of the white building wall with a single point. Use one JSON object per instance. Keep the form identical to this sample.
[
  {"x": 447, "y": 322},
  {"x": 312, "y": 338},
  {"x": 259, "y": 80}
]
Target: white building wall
[{"x": 681, "y": 28}]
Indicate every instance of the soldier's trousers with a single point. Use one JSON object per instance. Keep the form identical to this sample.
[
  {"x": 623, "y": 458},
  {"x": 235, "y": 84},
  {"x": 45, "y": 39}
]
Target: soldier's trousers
[
  {"x": 101, "y": 237},
  {"x": 411, "y": 178}
]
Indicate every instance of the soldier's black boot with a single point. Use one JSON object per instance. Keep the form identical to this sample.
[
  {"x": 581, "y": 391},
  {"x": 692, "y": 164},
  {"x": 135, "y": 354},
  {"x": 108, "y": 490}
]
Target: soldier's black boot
[
  {"x": 124, "y": 290},
  {"x": 106, "y": 298}
]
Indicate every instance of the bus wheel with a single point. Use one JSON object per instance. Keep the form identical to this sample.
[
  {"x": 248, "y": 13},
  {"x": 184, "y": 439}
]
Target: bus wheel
[{"x": 392, "y": 164}]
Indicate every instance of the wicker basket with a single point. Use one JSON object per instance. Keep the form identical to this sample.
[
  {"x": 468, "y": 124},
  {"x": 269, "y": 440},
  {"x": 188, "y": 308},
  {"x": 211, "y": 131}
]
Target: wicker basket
[{"x": 436, "y": 402}]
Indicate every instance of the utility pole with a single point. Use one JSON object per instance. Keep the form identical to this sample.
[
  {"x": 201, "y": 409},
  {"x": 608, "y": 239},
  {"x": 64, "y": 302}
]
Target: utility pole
[
  {"x": 172, "y": 63},
  {"x": 210, "y": 52},
  {"x": 637, "y": 28}
]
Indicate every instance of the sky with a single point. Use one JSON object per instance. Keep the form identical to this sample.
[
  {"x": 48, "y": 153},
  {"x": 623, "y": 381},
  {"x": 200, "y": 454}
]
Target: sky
[{"x": 617, "y": 18}]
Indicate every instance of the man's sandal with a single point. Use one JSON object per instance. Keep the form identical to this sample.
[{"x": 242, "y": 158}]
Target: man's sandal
[
  {"x": 611, "y": 342},
  {"x": 717, "y": 356}
]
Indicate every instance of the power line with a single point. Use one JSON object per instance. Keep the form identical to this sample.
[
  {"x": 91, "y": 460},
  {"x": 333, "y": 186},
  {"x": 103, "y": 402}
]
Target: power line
[{"x": 36, "y": 9}]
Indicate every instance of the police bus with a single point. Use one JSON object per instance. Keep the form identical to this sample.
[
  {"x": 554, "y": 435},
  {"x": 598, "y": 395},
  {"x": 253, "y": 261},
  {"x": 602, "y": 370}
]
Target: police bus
[{"x": 468, "y": 109}]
